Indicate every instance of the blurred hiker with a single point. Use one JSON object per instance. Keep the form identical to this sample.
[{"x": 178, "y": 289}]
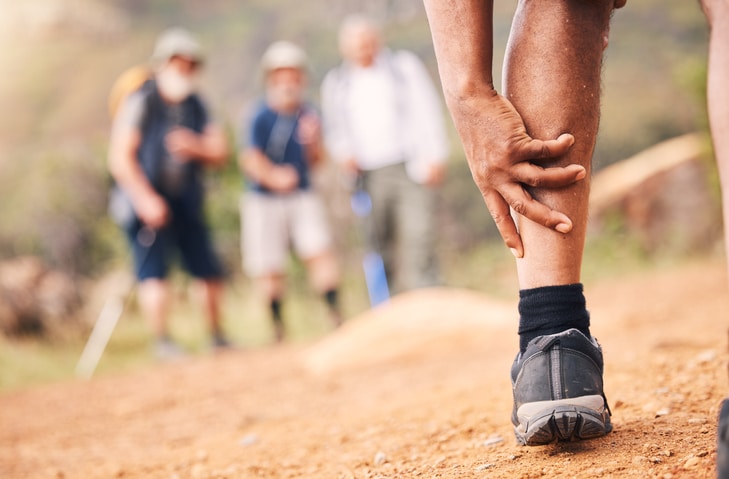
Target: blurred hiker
[
  {"x": 280, "y": 207},
  {"x": 161, "y": 140},
  {"x": 383, "y": 121},
  {"x": 530, "y": 153}
]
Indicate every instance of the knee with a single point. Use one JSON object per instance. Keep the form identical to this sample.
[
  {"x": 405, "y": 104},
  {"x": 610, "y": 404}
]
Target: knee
[{"x": 323, "y": 272}]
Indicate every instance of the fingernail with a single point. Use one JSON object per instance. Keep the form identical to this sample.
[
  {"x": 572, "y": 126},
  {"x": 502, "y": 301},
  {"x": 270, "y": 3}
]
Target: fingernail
[
  {"x": 563, "y": 228},
  {"x": 515, "y": 252}
]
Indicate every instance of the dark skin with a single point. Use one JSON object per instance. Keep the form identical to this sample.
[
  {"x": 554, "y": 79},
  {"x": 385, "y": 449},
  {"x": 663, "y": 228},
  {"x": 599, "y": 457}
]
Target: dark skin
[{"x": 529, "y": 149}]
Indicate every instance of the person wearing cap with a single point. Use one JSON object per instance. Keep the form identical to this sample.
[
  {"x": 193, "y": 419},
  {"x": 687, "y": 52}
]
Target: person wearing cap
[
  {"x": 384, "y": 123},
  {"x": 161, "y": 141},
  {"x": 280, "y": 206}
]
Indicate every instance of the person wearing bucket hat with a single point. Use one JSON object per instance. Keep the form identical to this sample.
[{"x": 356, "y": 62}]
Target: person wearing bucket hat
[
  {"x": 280, "y": 206},
  {"x": 162, "y": 139}
]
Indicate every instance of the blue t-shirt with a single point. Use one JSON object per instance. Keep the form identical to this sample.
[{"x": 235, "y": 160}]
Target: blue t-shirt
[{"x": 276, "y": 136}]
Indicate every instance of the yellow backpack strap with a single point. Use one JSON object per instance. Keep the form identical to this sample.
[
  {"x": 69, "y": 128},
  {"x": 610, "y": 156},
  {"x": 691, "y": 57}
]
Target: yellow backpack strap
[{"x": 128, "y": 82}]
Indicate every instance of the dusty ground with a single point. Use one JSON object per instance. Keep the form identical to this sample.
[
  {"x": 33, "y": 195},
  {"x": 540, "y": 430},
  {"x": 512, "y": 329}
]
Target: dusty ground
[{"x": 418, "y": 388}]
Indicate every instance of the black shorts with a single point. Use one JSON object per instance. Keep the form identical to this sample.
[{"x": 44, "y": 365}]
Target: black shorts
[{"x": 186, "y": 237}]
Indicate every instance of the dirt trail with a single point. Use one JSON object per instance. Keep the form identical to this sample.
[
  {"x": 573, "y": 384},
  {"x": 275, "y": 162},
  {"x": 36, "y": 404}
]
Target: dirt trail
[{"x": 418, "y": 388}]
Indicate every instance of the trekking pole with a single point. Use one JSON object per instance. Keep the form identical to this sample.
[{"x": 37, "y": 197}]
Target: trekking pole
[
  {"x": 372, "y": 263},
  {"x": 109, "y": 316}
]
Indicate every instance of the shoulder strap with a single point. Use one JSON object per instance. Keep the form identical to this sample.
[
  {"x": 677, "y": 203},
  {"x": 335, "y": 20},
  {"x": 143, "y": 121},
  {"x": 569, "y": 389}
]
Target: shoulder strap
[{"x": 278, "y": 140}]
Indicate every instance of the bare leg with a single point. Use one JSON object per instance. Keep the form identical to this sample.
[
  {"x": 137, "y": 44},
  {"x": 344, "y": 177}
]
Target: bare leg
[
  {"x": 323, "y": 272},
  {"x": 552, "y": 77},
  {"x": 154, "y": 298},
  {"x": 324, "y": 278},
  {"x": 211, "y": 292},
  {"x": 271, "y": 287},
  {"x": 717, "y": 13}
]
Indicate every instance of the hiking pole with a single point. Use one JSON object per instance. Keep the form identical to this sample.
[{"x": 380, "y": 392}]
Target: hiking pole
[
  {"x": 372, "y": 263},
  {"x": 109, "y": 316}
]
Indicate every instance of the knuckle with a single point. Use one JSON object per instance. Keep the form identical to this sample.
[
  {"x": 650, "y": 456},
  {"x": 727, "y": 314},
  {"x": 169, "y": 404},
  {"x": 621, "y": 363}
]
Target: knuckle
[{"x": 519, "y": 207}]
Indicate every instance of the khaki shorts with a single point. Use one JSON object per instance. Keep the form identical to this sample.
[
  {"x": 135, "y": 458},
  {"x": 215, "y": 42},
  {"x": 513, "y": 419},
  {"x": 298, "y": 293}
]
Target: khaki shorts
[{"x": 272, "y": 224}]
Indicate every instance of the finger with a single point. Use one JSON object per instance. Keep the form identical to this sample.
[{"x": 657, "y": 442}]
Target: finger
[
  {"x": 543, "y": 149},
  {"x": 552, "y": 177},
  {"x": 501, "y": 214},
  {"x": 523, "y": 204}
]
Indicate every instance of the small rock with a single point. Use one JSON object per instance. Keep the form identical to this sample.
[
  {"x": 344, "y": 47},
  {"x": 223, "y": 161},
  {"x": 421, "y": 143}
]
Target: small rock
[
  {"x": 493, "y": 439},
  {"x": 380, "y": 458},
  {"x": 483, "y": 467},
  {"x": 702, "y": 454},
  {"x": 639, "y": 460},
  {"x": 663, "y": 412},
  {"x": 706, "y": 356},
  {"x": 248, "y": 440},
  {"x": 691, "y": 462}
]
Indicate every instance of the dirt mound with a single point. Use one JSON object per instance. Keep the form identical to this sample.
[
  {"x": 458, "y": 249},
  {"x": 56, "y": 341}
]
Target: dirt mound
[
  {"x": 418, "y": 388},
  {"x": 423, "y": 322}
]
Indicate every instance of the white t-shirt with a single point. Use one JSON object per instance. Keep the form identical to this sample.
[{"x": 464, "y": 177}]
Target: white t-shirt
[{"x": 384, "y": 114}]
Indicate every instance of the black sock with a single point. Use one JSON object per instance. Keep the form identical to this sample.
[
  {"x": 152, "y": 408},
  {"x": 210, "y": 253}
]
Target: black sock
[
  {"x": 276, "y": 311},
  {"x": 550, "y": 310},
  {"x": 332, "y": 299}
]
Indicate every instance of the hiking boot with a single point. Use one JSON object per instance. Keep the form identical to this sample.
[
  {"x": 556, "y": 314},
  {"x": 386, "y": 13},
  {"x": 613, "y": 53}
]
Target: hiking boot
[
  {"x": 558, "y": 390},
  {"x": 722, "y": 442}
]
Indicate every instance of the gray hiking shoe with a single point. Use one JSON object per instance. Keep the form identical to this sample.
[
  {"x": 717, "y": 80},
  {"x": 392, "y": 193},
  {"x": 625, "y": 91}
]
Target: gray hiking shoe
[{"x": 558, "y": 390}]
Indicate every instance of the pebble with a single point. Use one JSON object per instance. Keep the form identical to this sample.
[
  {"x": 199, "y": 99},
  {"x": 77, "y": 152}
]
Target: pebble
[
  {"x": 248, "y": 440},
  {"x": 706, "y": 356},
  {"x": 380, "y": 458},
  {"x": 483, "y": 467},
  {"x": 663, "y": 412},
  {"x": 691, "y": 462},
  {"x": 493, "y": 439}
]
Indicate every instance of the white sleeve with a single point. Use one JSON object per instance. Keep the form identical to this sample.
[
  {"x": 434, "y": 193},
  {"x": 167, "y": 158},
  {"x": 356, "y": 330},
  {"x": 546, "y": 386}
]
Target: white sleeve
[
  {"x": 334, "y": 122},
  {"x": 426, "y": 114},
  {"x": 129, "y": 115}
]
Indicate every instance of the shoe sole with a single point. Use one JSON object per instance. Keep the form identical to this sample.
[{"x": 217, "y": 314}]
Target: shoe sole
[{"x": 545, "y": 422}]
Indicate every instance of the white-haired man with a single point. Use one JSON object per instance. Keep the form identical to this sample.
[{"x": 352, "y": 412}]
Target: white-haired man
[
  {"x": 161, "y": 140},
  {"x": 384, "y": 122}
]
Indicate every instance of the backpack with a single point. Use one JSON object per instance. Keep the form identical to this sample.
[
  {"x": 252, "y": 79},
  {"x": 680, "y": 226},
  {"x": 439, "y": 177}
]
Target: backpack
[{"x": 127, "y": 83}]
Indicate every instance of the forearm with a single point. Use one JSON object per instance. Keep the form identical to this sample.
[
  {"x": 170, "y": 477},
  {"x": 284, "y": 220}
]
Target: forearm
[
  {"x": 462, "y": 32},
  {"x": 256, "y": 166},
  {"x": 212, "y": 147},
  {"x": 314, "y": 153}
]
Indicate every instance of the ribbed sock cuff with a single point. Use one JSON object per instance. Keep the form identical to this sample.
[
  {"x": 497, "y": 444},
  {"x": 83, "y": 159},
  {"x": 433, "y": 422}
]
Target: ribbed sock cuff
[{"x": 550, "y": 310}]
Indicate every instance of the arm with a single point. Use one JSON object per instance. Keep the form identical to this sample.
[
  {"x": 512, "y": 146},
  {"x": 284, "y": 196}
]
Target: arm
[
  {"x": 428, "y": 135},
  {"x": 256, "y": 165},
  {"x": 209, "y": 147},
  {"x": 502, "y": 156},
  {"x": 308, "y": 134},
  {"x": 149, "y": 206},
  {"x": 336, "y": 136}
]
